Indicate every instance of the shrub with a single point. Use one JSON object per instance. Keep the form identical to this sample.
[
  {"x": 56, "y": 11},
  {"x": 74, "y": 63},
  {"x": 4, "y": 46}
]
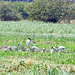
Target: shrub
[
  {"x": 8, "y": 13},
  {"x": 49, "y": 11},
  {"x": 19, "y": 6}
]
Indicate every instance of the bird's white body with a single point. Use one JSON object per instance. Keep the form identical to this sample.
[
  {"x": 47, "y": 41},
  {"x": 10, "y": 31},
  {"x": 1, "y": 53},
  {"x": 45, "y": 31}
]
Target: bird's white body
[
  {"x": 28, "y": 42},
  {"x": 5, "y": 47},
  {"x": 28, "y": 49},
  {"x": 35, "y": 48},
  {"x": 9, "y": 48},
  {"x": 61, "y": 47},
  {"x": 13, "y": 48},
  {"x": 44, "y": 48},
  {"x": 19, "y": 50},
  {"x": 51, "y": 51}
]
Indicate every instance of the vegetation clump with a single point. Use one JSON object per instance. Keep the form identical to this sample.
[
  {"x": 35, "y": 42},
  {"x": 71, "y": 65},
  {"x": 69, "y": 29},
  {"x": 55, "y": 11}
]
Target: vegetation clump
[{"x": 43, "y": 10}]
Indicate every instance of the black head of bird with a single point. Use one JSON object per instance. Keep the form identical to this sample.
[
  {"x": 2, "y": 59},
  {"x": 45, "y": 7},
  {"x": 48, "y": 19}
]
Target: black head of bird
[
  {"x": 54, "y": 48},
  {"x": 29, "y": 38}
]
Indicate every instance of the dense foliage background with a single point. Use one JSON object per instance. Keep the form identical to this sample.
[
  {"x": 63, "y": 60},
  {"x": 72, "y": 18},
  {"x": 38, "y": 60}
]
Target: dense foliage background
[{"x": 44, "y": 10}]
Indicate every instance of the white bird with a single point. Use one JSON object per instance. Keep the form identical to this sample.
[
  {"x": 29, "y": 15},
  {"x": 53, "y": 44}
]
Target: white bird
[
  {"x": 35, "y": 48},
  {"x": 51, "y": 51},
  {"x": 28, "y": 42},
  {"x": 5, "y": 47},
  {"x": 61, "y": 48},
  {"x": 28, "y": 49},
  {"x": 54, "y": 49},
  {"x": 19, "y": 50},
  {"x": 9, "y": 48},
  {"x": 14, "y": 48},
  {"x": 44, "y": 49}
]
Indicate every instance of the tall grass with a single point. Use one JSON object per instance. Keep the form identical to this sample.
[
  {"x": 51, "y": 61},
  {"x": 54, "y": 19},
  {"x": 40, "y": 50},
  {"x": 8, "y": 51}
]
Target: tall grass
[{"x": 36, "y": 27}]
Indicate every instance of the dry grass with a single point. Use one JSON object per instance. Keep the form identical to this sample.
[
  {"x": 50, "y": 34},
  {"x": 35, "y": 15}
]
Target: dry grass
[{"x": 69, "y": 22}]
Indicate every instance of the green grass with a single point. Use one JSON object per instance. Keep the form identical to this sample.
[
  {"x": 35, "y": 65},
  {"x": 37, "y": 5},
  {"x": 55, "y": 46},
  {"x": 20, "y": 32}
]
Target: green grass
[
  {"x": 36, "y": 27},
  {"x": 45, "y": 35},
  {"x": 38, "y": 63},
  {"x": 40, "y": 41}
]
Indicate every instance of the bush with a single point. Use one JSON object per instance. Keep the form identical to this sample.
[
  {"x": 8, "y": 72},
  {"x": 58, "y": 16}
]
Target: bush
[
  {"x": 19, "y": 6},
  {"x": 49, "y": 11},
  {"x": 43, "y": 10},
  {"x": 8, "y": 13}
]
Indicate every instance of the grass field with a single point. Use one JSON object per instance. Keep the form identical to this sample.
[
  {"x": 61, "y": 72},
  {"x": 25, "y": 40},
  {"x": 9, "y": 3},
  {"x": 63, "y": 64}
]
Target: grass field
[
  {"x": 37, "y": 27},
  {"x": 33, "y": 63}
]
